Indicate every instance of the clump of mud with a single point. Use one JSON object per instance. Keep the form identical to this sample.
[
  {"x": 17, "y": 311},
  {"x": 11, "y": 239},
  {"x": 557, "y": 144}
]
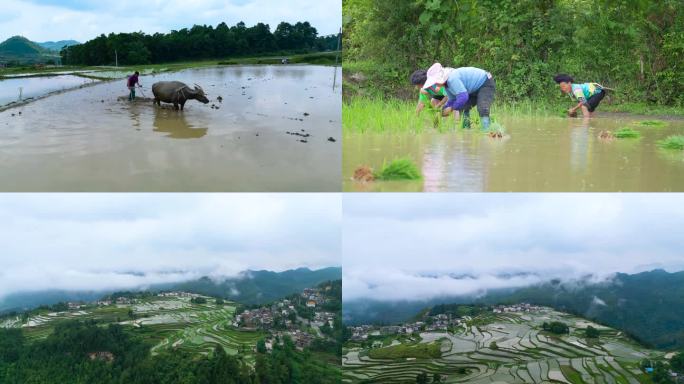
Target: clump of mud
[
  {"x": 496, "y": 134},
  {"x": 606, "y": 136},
  {"x": 364, "y": 174}
]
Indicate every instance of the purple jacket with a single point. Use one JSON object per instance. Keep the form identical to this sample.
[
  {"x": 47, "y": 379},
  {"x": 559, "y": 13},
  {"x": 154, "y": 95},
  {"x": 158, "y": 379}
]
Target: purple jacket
[{"x": 132, "y": 80}]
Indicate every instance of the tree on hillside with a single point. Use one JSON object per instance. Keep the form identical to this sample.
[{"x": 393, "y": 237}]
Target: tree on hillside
[
  {"x": 591, "y": 332},
  {"x": 677, "y": 362},
  {"x": 422, "y": 378},
  {"x": 557, "y": 327}
]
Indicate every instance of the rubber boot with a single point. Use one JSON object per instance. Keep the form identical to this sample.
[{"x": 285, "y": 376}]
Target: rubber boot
[
  {"x": 466, "y": 120},
  {"x": 485, "y": 123}
]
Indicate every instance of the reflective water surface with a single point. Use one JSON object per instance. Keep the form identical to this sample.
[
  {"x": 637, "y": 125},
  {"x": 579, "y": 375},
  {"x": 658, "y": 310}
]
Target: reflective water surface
[
  {"x": 93, "y": 139},
  {"x": 542, "y": 154}
]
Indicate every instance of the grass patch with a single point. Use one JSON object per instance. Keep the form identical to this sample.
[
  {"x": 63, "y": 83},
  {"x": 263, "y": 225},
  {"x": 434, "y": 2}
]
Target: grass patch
[
  {"x": 399, "y": 169},
  {"x": 403, "y": 351},
  {"x": 627, "y": 133},
  {"x": 652, "y": 123},
  {"x": 675, "y": 142},
  {"x": 374, "y": 114},
  {"x": 317, "y": 58},
  {"x": 377, "y": 115},
  {"x": 571, "y": 374}
]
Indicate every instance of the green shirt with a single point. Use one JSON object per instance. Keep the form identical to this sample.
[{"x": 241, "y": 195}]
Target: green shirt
[{"x": 425, "y": 99}]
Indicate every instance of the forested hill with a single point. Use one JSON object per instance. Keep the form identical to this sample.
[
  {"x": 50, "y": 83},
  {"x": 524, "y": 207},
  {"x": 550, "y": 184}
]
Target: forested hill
[
  {"x": 649, "y": 305},
  {"x": 260, "y": 287},
  {"x": 199, "y": 42},
  {"x": 634, "y": 46}
]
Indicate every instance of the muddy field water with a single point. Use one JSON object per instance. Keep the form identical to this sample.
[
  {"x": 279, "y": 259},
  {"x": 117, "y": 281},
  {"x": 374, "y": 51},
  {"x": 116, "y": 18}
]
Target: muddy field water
[
  {"x": 542, "y": 154},
  {"x": 92, "y": 139}
]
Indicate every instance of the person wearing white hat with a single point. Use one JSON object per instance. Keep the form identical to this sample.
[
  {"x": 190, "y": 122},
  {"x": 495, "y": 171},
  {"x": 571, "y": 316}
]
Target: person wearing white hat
[{"x": 465, "y": 87}]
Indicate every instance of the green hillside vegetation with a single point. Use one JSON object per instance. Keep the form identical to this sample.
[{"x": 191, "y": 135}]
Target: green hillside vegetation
[
  {"x": 649, "y": 305},
  {"x": 18, "y": 49},
  {"x": 147, "y": 338},
  {"x": 57, "y": 46},
  {"x": 635, "y": 47},
  {"x": 88, "y": 352},
  {"x": 259, "y": 287},
  {"x": 200, "y": 42},
  {"x": 20, "y": 46}
]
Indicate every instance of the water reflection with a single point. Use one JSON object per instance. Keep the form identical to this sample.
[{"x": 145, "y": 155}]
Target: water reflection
[
  {"x": 580, "y": 145},
  {"x": 536, "y": 155},
  {"x": 175, "y": 124}
]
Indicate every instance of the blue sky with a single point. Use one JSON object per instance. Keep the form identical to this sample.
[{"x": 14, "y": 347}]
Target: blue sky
[
  {"x": 103, "y": 241},
  {"x": 407, "y": 246},
  {"x": 44, "y": 20}
]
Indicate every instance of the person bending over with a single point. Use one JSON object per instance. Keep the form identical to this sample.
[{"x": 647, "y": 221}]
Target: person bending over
[
  {"x": 465, "y": 88},
  {"x": 587, "y": 95},
  {"x": 435, "y": 98}
]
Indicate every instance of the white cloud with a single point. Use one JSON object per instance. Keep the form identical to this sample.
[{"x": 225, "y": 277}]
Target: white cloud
[
  {"x": 409, "y": 246},
  {"x": 98, "y": 241},
  {"x": 84, "y": 20}
]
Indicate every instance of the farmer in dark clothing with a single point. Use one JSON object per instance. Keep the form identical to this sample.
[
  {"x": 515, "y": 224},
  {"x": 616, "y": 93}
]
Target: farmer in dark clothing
[{"x": 132, "y": 81}]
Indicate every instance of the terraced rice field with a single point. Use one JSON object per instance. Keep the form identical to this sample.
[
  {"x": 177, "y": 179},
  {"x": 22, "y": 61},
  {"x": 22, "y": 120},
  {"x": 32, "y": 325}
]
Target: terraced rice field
[
  {"x": 167, "y": 323},
  {"x": 522, "y": 353}
]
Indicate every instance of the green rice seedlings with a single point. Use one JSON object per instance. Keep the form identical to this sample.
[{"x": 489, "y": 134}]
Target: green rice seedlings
[
  {"x": 627, "y": 133},
  {"x": 399, "y": 169},
  {"x": 675, "y": 142}
]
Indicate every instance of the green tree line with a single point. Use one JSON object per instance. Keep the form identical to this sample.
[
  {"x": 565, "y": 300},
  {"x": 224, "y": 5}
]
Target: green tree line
[
  {"x": 88, "y": 352},
  {"x": 198, "y": 42},
  {"x": 634, "y": 46}
]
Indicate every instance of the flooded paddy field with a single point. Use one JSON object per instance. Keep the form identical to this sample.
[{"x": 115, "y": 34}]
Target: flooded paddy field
[
  {"x": 535, "y": 154},
  {"x": 506, "y": 348},
  {"x": 273, "y": 130},
  {"x": 33, "y": 87}
]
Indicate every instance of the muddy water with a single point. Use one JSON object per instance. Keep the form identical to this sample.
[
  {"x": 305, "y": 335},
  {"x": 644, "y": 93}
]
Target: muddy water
[
  {"x": 537, "y": 155},
  {"x": 89, "y": 140},
  {"x": 37, "y": 86}
]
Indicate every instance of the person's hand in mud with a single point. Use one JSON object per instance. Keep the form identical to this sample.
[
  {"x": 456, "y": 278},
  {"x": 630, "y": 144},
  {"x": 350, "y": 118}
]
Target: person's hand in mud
[{"x": 572, "y": 112}]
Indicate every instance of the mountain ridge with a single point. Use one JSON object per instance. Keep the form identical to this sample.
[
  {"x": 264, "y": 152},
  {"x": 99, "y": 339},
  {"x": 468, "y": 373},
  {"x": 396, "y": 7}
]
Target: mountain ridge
[{"x": 272, "y": 285}]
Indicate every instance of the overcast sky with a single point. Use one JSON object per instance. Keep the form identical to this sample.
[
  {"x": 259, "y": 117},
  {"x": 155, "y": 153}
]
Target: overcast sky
[
  {"x": 82, "y": 20},
  {"x": 103, "y": 241},
  {"x": 399, "y": 246}
]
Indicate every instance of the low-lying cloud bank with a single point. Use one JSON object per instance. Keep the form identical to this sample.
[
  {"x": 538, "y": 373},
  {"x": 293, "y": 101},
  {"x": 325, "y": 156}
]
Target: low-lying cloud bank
[
  {"x": 118, "y": 241},
  {"x": 417, "y": 247}
]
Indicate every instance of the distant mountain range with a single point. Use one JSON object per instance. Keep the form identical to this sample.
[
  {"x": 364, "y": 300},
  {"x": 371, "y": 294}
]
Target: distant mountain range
[
  {"x": 259, "y": 287},
  {"x": 648, "y": 305},
  {"x": 58, "y": 45},
  {"x": 22, "y": 50},
  {"x": 250, "y": 287}
]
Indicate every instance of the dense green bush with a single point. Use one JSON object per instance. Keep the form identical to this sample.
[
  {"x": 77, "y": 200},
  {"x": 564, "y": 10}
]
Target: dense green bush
[{"x": 636, "y": 46}]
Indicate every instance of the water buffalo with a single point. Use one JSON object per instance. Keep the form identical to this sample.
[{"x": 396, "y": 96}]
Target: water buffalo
[{"x": 177, "y": 93}]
